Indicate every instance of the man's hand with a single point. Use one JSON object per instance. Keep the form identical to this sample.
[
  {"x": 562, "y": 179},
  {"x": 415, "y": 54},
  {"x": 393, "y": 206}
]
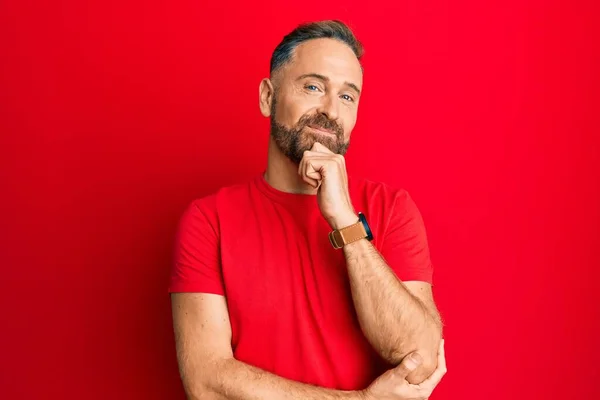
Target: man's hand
[
  {"x": 325, "y": 170},
  {"x": 392, "y": 385}
]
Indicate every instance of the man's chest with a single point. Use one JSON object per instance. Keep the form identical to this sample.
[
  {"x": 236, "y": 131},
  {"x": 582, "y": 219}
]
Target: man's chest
[
  {"x": 284, "y": 270},
  {"x": 289, "y": 299}
]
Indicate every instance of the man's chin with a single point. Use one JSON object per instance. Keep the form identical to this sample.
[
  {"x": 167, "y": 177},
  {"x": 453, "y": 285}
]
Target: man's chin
[{"x": 326, "y": 141}]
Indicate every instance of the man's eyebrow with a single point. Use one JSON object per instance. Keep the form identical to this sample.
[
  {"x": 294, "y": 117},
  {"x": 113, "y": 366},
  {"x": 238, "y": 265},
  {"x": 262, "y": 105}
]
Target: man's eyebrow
[
  {"x": 353, "y": 86},
  {"x": 326, "y": 79},
  {"x": 313, "y": 75}
]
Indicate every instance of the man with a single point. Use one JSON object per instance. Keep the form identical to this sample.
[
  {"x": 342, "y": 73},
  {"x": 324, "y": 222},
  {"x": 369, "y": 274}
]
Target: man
[{"x": 303, "y": 283}]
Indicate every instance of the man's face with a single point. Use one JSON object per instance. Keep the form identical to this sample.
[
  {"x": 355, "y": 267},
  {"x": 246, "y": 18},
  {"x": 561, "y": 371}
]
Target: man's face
[{"x": 316, "y": 98}]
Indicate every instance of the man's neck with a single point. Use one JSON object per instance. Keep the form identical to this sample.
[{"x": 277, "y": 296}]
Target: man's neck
[{"x": 282, "y": 173}]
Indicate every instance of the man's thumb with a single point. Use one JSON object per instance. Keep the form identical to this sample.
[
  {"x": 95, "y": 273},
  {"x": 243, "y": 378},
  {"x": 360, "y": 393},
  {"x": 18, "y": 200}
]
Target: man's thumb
[{"x": 409, "y": 364}]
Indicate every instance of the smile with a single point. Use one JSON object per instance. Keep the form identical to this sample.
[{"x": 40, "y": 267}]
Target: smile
[{"x": 322, "y": 131}]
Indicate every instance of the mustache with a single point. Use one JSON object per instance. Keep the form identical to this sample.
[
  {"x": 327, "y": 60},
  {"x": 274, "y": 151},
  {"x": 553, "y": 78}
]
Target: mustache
[{"x": 320, "y": 121}]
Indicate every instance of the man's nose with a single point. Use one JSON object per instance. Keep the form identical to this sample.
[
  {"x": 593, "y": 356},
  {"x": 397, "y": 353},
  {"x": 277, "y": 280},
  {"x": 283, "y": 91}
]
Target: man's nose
[{"x": 329, "y": 107}]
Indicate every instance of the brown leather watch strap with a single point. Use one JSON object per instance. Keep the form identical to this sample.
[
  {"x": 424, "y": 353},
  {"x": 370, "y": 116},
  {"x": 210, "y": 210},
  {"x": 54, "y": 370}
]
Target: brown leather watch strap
[{"x": 341, "y": 237}]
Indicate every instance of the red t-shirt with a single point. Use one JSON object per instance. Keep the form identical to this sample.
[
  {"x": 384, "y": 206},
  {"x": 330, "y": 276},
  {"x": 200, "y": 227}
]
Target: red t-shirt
[{"x": 287, "y": 288}]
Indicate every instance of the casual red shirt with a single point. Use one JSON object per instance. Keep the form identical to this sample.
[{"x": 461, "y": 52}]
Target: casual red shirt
[{"x": 287, "y": 288}]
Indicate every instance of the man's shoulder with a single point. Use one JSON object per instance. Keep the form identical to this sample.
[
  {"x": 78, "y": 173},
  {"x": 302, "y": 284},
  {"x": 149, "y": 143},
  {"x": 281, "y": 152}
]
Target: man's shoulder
[{"x": 225, "y": 196}]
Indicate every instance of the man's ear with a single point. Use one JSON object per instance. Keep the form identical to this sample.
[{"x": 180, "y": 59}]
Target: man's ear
[{"x": 266, "y": 95}]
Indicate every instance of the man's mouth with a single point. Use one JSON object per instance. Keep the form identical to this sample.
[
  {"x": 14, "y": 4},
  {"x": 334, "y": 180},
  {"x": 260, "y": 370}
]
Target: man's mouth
[{"x": 322, "y": 130}]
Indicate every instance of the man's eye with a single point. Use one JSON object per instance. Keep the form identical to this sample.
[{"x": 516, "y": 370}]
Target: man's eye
[
  {"x": 312, "y": 87},
  {"x": 347, "y": 97}
]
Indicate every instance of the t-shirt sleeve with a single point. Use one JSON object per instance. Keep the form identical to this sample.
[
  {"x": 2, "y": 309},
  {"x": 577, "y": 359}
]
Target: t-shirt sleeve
[
  {"x": 404, "y": 245},
  {"x": 196, "y": 260}
]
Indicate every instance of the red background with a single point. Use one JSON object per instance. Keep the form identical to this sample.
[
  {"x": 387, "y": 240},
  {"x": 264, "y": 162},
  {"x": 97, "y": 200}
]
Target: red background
[{"x": 114, "y": 117}]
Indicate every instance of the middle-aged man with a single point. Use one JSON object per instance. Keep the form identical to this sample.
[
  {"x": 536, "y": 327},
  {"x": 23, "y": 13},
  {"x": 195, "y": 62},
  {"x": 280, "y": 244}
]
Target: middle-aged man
[{"x": 304, "y": 283}]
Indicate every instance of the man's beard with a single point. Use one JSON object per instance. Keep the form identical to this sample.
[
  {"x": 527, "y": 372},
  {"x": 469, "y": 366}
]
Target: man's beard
[{"x": 295, "y": 140}]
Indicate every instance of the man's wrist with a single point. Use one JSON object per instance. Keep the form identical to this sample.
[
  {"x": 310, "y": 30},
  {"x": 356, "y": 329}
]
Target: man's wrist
[{"x": 344, "y": 220}]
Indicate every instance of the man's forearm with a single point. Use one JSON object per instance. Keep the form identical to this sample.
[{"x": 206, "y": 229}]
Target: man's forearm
[
  {"x": 231, "y": 379},
  {"x": 393, "y": 320}
]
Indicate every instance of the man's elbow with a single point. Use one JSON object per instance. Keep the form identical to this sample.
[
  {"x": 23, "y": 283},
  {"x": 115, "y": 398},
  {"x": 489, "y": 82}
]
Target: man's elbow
[
  {"x": 201, "y": 386},
  {"x": 194, "y": 391},
  {"x": 197, "y": 390},
  {"x": 428, "y": 350},
  {"x": 424, "y": 370}
]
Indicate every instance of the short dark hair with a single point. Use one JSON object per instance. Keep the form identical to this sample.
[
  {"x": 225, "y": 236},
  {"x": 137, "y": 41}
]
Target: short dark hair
[{"x": 332, "y": 29}]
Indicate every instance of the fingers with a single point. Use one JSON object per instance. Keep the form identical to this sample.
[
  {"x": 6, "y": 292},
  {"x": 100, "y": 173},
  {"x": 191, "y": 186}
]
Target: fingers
[
  {"x": 314, "y": 164},
  {"x": 408, "y": 364},
  {"x": 325, "y": 158},
  {"x": 312, "y": 180},
  {"x": 313, "y": 167},
  {"x": 318, "y": 147},
  {"x": 435, "y": 378},
  {"x": 310, "y": 172},
  {"x": 396, "y": 384}
]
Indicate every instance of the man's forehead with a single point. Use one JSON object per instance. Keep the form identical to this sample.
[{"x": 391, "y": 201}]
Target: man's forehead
[{"x": 327, "y": 57}]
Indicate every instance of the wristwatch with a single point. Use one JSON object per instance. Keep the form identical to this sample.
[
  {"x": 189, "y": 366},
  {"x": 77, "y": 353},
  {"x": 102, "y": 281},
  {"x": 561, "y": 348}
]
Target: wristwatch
[{"x": 360, "y": 230}]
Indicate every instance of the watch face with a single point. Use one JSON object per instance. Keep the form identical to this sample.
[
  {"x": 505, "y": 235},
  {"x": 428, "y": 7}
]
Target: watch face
[{"x": 363, "y": 219}]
